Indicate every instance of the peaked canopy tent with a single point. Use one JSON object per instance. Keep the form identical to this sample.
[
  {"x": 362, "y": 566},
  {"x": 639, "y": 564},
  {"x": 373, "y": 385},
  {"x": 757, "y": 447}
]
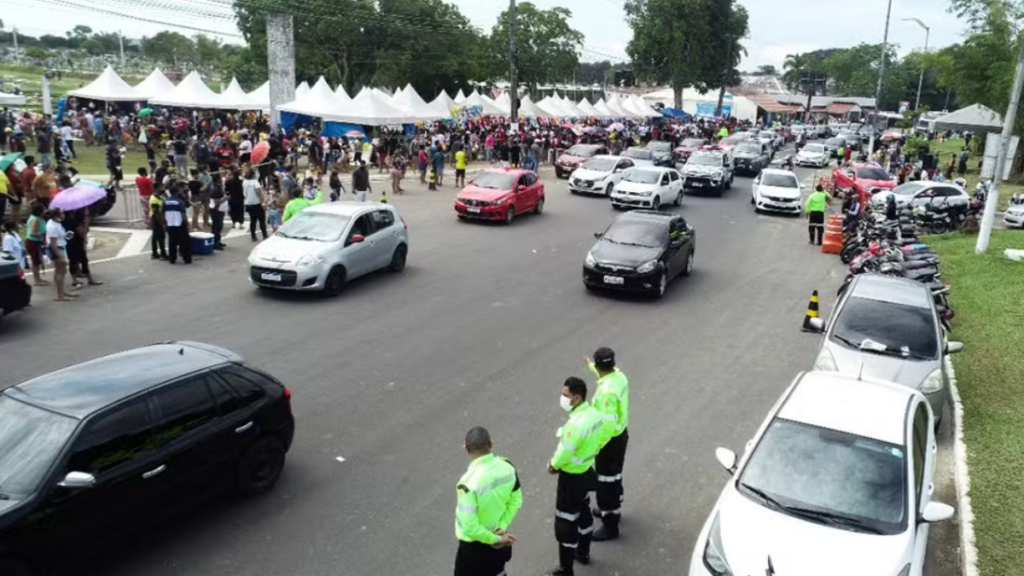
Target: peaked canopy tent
[
  {"x": 570, "y": 107},
  {"x": 504, "y": 102},
  {"x": 192, "y": 92},
  {"x": 974, "y": 118},
  {"x": 301, "y": 90},
  {"x": 615, "y": 105},
  {"x": 340, "y": 91},
  {"x": 602, "y": 107},
  {"x": 642, "y": 107},
  {"x": 460, "y": 97},
  {"x": 319, "y": 101},
  {"x": 154, "y": 84},
  {"x": 527, "y": 109},
  {"x": 588, "y": 109},
  {"x": 259, "y": 99},
  {"x": 110, "y": 87},
  {"x": 488, "y": 108},
  {"x": 371, "y": 109},
  {"x": 551, "y": 107},
  {"x": 234, "y": 97},
  {"x": 407, "y": 100},
  {"x": 505, "y": 107},
  {"x": 443, "y": 104}
]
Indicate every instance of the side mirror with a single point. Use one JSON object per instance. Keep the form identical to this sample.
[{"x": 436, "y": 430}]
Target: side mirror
[
  {"x": 954, "y": 347},
  {"x": 521, "y": 188},
  {"x": 816, "y": 325},
  {"x": 598, "y": 235},
  {"x": 727, "y": 458},
  {"x": 78, "y": 480},
  {"x": 357, "y": 238},
  {"x": 937, "y": 512}
]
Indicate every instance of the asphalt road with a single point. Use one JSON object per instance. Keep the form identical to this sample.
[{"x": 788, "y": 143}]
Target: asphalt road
[{"x": 482, "y": 328}]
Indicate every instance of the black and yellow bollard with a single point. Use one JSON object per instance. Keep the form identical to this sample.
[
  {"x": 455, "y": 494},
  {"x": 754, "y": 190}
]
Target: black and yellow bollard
[
  {"x": 812, "y": 312},
  {"x": 383, "y": 196},
  {"x": 433, "y": 180}
]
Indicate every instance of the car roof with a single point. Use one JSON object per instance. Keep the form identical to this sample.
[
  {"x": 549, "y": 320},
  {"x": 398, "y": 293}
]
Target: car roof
[
  {"x": 608, "y": 157},
  {"x": 778, "y": 171},
  {"x": 83, "y": 389},
  {"x": 653, "y": 168},
  {"x": 884, "y": 288},
  {"x": 863, "y": 407},
  {"x": 345, "y": 208},
  {"x": 647, "y": 216}
]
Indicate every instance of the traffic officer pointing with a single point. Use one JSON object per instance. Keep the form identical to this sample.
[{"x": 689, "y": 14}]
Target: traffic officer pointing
[
  {"x": 611, "y": 399},
  {"x": 489, "y": 496},
  {"x": 573, "y": 462}
]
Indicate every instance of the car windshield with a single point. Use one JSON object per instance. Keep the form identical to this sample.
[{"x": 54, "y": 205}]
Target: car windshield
[
  {"x": 643, "y": 176},
  {"x": 314, "y": 226},
  {"x": 907, "y": 189},
  {"x": 582, "y": 151},
  {"x": 814, "y": 148},
  {"x": 873, "y": 173},
  {"x": 495, "y": 180},
  {"x": 638, "y": 154},
  {"x": 827, "y": 476},
  {"x": 887, "y": 328},
  {"x": 600, "y": 164},
  {"x": 705, "y": 160},
  {"x": 692, "y": 143},
  {"x": 659, "y": 146},
  {"x": 748, "y": 148},
  {"x": 30, "y": 440},
  {"x": 637, "y": 232},
  {"x": 779, "y": 180},
  {"x": 835, "y": 141}
]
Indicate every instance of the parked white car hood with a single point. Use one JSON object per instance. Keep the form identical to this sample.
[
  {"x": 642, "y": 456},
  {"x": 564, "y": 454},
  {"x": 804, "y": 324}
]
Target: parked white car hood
[
  {"x": 584, "y": 174},
  {"x": 635, "y": 187},
  {"x": 790, "y": 193},
  {"x": 281, "y": 250},
  {"x": 751, "y": 533},
  {"x": 808, "y": 154}
]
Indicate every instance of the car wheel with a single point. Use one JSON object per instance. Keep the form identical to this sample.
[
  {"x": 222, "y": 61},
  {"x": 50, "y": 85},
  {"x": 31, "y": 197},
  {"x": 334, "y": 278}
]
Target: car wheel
[
  {"x": 719, "y": 190},
  {"x": 656, "y": 205},
  {"x": 558, "y": 173},
  {"x": 659, "y": 290},
  {"x": 335, "y": 282},
  {"x": 260, "y": 466},
  {"x": 398, "y": 259},
  {"x": 689, "y": 264},
  {"x": 540, "y": 206},
  {"x": 461, "y": 217},
  {"x": 608, "y": 189},
  {"x": 679, "y": 199},
  {"x": 752, "y": 201},
  {"x": 510, "y": 214}
]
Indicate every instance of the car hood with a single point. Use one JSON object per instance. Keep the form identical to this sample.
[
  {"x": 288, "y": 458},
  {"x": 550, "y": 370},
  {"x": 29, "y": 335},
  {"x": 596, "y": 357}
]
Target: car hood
[
  {"x": 1016, "y": 210},
  {"x": 752, "y": 533},
  {"x": 810, "y": 153},
  {"x": 686, "y": 149},
  {"x": 746, "y": 155},
  {"x": 779, "y": 192},
  {"x": 612, "y": 254},
  {"x": 485, "y": 194},
  {"x": 584, "y": 174},
  {"x": 883, "y": 184},
  {"x": 572, "y": 159},
  {"x": 283, "y": 250},
  {"x": 634, "y": 187},
  {"x": 701, "y": 170},
  {"x": 661, "y": 154},
  {"x": 891, "y": 369}
]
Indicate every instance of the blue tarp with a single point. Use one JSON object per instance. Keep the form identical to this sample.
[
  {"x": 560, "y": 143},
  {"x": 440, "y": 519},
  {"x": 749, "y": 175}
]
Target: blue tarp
[
  {"x": 674, "y": 113},
  {"x": 291, "y": 121},
  {"x": 341, "y": 129}
]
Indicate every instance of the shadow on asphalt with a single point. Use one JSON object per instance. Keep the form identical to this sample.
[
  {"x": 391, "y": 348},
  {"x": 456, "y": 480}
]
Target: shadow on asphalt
[{"x": 363, "y": 284}]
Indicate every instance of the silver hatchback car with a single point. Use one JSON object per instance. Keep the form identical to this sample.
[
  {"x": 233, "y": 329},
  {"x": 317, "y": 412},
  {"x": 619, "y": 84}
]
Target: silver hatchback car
[
  {"x": 886, "y": 328},
  {"x": 326, "y": 245}
]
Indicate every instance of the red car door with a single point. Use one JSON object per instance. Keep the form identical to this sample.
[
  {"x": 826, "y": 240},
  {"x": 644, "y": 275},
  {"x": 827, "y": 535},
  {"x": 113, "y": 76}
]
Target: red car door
[
  {"x": 525, "y": 200},
  {"x": 536, "y": 188}
]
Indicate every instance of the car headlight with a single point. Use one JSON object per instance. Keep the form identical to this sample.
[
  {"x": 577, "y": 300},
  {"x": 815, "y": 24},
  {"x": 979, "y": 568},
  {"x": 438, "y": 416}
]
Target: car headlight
[
  {"x": 933, "y": 383},
  {"x": 310, "y": 261},
  {"x": 646, "y": 193},
  {"x": 500, "y": 202},
  {"x": 826, "y": 362},
  {"x": 647, "y": 267},
  {"x": 590, "y": 262},
  {"x": 714, "y": 559}
]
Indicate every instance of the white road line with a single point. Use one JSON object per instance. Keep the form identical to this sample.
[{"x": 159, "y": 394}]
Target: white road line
[
  {"x": 138, "y": 242},
  {"x": 968, "y": 549}
]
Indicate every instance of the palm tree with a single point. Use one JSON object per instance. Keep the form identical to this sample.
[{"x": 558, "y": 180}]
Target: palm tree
[{"x": 798, "y": 70}]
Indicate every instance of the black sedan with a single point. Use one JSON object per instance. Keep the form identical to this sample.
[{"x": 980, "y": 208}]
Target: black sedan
[
  {"x": 15, "y": 292},
  {"x": 641, "y": 251}
]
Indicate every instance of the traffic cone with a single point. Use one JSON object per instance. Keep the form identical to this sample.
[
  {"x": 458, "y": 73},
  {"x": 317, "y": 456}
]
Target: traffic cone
[
  {"x": 812, "y": 312},
  {"x": 433, "y": 180}
]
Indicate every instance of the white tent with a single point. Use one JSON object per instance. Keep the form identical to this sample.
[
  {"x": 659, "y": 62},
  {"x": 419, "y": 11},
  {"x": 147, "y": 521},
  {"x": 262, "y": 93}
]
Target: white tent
[
  {"x": 11, "y": 99},
  {"x": 588, "y": 108},
  {"x": 505, "y": 107},
  {"x": 602, "y": 107},
  {"x": 319, "y": 101},
  {"x": 504, "y": 102},
  {"x": 110, "y": 87},
  {"x": 372, "y": 109},
  {"x": 976, "y": 118},
  {"x": 460, "y": 97},
  {"x": 259, "y": 99},
  {"x": 443, "y": 104},
  {"x": 234, "y": 97},
  {"x": 301, "y": 90},
  {"x": 488, "y": 108},
  {"x": 155, "y": 84},
  {"x": 410, "y": 102},
  {"x": 192, "y": 92},
  {"x": 340, "y": 91},
  {"x": 551, "y": 107},
  {"x": 635, "y": 104},
  {"x": 527, "y": 109},
  {"x": 616, "y": 106},
  {"x": 570, "y": 107}
]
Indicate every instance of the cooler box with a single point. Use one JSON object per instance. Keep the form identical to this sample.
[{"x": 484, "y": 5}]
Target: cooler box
[{"x": 202, "y": 243}]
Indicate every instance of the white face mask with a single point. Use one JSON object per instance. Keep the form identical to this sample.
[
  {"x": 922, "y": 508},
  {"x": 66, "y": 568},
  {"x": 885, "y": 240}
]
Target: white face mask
[{"x": 566, "y": 403}]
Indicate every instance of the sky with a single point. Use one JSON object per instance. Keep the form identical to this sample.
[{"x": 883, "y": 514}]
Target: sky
[{"x": 777, "y": 27}]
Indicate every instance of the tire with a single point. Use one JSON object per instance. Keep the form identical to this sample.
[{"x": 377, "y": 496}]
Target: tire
[
  {"x": 656, "y": 205},
  {"x": 938, "y": 227},
  {"x": 260, "y": 466},
  {"x": 335, "y": 282},
  {"x": 558, "y": 173},
  {"x": 752, "y": 202},
  {"x": 719, "y": 190},
  {"x": 659, "y": 290},
  {"x": 398, "y": 259},
  {"x": 679, "y": 199},
  {"x": 608, "y": 190},
  {"x": 688, "y": 269},
  {"x": 539, "y": 208},
  {"x": 510, "y": 215}
]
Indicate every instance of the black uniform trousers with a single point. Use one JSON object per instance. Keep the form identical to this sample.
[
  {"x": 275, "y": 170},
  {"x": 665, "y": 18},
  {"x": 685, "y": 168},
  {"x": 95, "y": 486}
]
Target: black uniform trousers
[
  {"x": 479, "y": 559},
  {"x": 179, "y": 240},
  {"x": 158, "y": 241},
  {"x": 574, "y": 523},
  {"x": 608, "y": 465},
  {"x": 816, "y": 225}
]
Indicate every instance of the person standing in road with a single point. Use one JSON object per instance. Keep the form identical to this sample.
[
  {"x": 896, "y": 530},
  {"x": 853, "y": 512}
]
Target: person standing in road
[
  {"x": 44, "y": 144},
  {"x": 254, "y": 200},
  {"x": 145, "y": 187},
  {"x": 57, "y": 242},
  {"x": 361, "y": 182},
  {"x": 158, "y": 241},
  {"x": 580, "y": 440},
  {"x": 175, "y": 215},
  {"x": 460, "y": 168},
  {"x": 815, "y": 207},
  {"x": 489, "y": 495},
  {"x": 611, "y": 399},
  {"x": 438, "y": 161},
  {"x": 218, "y": 206},
  {"x": 236, "y": 198}
]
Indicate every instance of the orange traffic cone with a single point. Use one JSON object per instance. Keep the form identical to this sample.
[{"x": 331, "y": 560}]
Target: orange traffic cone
[{"x": 812, "y": 312}]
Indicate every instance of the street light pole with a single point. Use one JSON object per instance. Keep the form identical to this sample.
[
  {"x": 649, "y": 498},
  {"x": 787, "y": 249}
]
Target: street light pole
[
  {"x": 881, "y": 78},
  {"x": 927, "y": 34},
  {"x": 513, "y": 82}
]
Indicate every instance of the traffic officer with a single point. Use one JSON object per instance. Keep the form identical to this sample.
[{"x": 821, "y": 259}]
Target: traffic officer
[
  {"x": 611, "y": 399},
  {"x": 580, "y": 439},
  {"x": 815, "y": 208},
  {"x": 489, "y": 496}
]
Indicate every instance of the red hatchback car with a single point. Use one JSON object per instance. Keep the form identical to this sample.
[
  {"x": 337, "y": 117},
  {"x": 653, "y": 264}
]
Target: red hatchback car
[
  {"x": 863, "y": 177},
  {"x": 501, "y": 194}
]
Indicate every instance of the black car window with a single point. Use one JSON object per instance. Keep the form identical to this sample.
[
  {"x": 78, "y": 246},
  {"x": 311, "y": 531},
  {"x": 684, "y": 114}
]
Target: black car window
[
  {"x": 362, "y": 226},
  {"x": 626, "y": 164},
  {"x": 637, "y": 232},
  {"x": 530, "y": 179},
  {"x": 665, "y": 179},
  {"x": 113, "y": 438},
  {"x": 919, "y": 445},
  {"x": 906, "y": 331},
  {"x": 183, "y": 407},
  {"x": 674, "y": 176},
  {"x": 244, "y": 391},
  {"x": 382, "y": 219}
]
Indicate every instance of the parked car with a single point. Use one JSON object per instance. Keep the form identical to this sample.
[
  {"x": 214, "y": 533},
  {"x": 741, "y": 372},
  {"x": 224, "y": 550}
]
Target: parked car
[
  {"x": 730, "y": 143},
  {"x": 688, "y": 147},
  {"x": 770, "y": 138},
  {"x": 852, "y": 139},
  {"x": 599, "y": 175},
  {"x": 833, "y": 144},
  {"x": 752, "y": 156},
  {"x": 15, "y": 292},
  {"x": 641, "y": 251},
  {"x": 327, "y": 245},
  {"x": 576, "y": 155},
  {"x": 1014, "y": 216},
  {"x": 640, "y": 156},
  {"x": 648, "y": 187},
  {"x": 501, "y": 194},
  {"x": 887, "y": 327},
  {"x": 918, "y": 193},
  {"x": 863, "y": 178},
  {"x": 777, "y": 190},
  {"x": 90, "y": 452},
  {"x": 837, "y": 479},
  {"x": 710, "y": 170},
  {"x": 816, "y": 155},
  {"x": 663, "y": 154}
]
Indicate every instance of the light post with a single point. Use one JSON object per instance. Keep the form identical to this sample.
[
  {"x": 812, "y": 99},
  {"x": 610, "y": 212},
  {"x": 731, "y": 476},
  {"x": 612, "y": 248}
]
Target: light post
[
  {"x": 881, "y": 79},
  {"x": 927, "y": 33}
]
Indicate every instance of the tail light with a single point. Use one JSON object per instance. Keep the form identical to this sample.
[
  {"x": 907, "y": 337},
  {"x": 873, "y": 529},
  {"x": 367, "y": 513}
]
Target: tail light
[
  {"x": 21, "y": 273},
  {"x": 288, "y": 395}
]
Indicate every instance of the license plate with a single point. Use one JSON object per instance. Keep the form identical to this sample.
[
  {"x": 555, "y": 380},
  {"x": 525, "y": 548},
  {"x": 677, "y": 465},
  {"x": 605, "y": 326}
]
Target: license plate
[
  {"x": 270, "y": 276},
  {"x": 473, "y": 210},
  {"x": 614, "y": 280},
  {"x": 697, "y": 184}
]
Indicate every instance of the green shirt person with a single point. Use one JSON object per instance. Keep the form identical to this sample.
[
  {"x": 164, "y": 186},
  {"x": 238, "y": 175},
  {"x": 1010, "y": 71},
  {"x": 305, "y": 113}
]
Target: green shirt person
[
  {"x": 296, "y": 205},
  {"x": 815, "y": 207}
]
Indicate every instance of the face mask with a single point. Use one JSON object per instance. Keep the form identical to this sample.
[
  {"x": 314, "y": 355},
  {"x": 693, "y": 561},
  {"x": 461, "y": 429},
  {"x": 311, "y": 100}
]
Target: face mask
[{"x": 566, "y": 403}]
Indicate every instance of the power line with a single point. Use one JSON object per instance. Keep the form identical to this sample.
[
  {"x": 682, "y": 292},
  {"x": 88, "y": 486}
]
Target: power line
[{"x": 79, "y": 7}]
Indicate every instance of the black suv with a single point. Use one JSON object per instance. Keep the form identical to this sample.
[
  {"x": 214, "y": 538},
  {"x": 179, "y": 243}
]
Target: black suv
[
  {"x": 15, "y": 292},
  {"x": 90, "y": 451}
]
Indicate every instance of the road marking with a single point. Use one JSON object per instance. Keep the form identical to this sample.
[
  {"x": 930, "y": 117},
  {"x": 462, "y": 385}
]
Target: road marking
[{"x": 965, "y": 512}]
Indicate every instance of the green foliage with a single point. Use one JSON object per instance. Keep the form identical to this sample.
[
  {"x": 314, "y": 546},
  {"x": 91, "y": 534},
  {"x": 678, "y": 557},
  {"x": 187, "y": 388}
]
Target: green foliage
[
  {"x": 588, "y": 73},
  {"x": 37, "y": 53},
  {"x": 170, "y": 48},
  {"x": 547, "y": 47},
  {"x": 910, "y": 118},
  {"x": 766, "y": 70}
]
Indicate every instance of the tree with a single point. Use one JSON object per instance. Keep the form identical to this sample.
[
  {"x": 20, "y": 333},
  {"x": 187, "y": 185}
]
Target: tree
[
  {"x": 721, "y": 60},
  {"x": 51, "y": 41},
  {"x": 209, "y": 52},
  {"x": 547, "y": 47},
  {"x": 169, "y": 48},
  {"x": 669, "y": 41},
  {"x": 805, "y": 73},
  {"x": 854, "y": 71},
  {"x": 766, "y": 70},
  {"x": 588, "y": 73},
  {"x": 81, "y": 31},
  {"x": 37, "y": 53}
]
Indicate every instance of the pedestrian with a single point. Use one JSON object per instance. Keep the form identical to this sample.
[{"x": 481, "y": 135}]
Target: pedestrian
[
  {"x": 573, "y": 462},
  {"x": 66, "y": 134},
  {"x": 180, "y": 150},
  {"x": 422, "y": 157},
  {"x": 218, "y": 207},
  {"x": 396, "y": 173},
  {"x": 28, "y": 177},
  {"x": 336, "y": 186},
  {"x": 438, "y": 162},
  {"x": 254, "y": 201},
  {"x": 114, "y": 164},
  {"x": 44, "y": 144},
  {"x": 145, "y": 187},
  {"x": 488, "y": 497},
  {"x": 815, "y": 208},
  {"x": 962, "y": 162},
  {"x": 76, "y": 222},
  {"x": 158, "y": 239},
  {"x": 236, "y": 198},
  {"x": 302, "y": 200},
  {"x": 201, "y": 205},
  {"x": 361, "y": 182},
  {"x": 460, "y": 168},
  {"x": 35, "y": 240},
  {"x": 175, "y": 215},
  {"x": 611, "y": 399},
  {"x": 56, "y": 242},
  {"x": 13, "y": 245}
]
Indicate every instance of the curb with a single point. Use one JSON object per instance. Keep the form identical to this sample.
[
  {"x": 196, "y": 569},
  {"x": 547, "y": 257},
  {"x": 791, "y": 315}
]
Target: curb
[{"x": 968, "y": 550}]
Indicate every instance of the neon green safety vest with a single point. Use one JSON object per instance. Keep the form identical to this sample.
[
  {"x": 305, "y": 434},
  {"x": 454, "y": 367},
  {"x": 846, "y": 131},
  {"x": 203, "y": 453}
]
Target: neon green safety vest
[
  {"x": 296, "y": 205},
  {"x": 816, "y": 202},
  {"x": 612, "y": 400},
  {"x": 489, "y": 496},
  {"x": 582, "y": 438}
]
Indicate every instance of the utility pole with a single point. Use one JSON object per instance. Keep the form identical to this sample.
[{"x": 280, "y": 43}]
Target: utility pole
[
  {"x": 513, "y": 54},
  {"x": 992, "y": 199},
  {"x": 14, "y": 35},
  {"x": 120, "y": 41},
  {"x": 725, "y": 76},
  {"x": 881, "y": 78}
]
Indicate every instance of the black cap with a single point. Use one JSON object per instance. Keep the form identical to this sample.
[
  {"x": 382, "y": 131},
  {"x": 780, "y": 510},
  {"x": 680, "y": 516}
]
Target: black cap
[{"x": 604, "y": 358}]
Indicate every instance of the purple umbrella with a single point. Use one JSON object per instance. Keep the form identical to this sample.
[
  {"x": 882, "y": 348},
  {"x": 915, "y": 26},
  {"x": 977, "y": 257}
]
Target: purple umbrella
[{"x": 78, "y": 197}]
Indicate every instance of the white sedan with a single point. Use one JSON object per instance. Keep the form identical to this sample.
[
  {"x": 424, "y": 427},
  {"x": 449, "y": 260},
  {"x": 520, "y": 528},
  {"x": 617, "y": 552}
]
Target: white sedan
[
  {"x": 648, "y": 188},
  {"x": 837, "y": 480},
  {"x": 812, "y": 155},
  {"x": 1014, "y": 216},
  {"x": 599, "y": 175},
  {"x": 777, "y": 191}
]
